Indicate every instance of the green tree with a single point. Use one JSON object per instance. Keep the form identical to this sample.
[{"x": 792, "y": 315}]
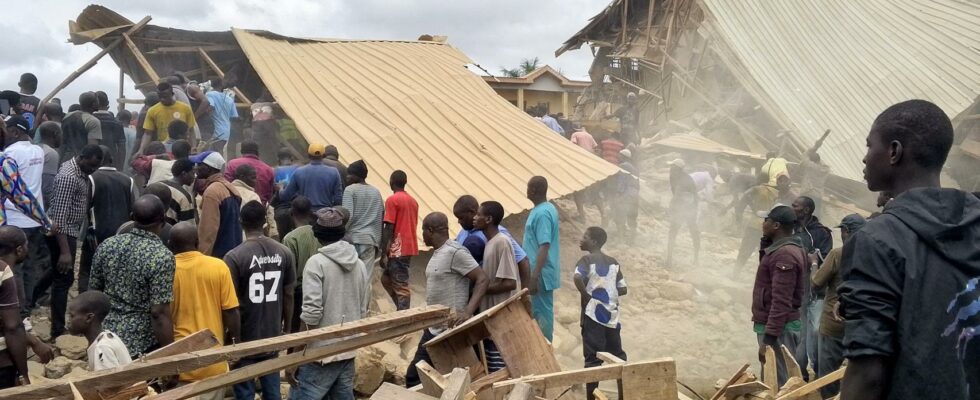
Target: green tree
[{"x": 527, "y": 66}]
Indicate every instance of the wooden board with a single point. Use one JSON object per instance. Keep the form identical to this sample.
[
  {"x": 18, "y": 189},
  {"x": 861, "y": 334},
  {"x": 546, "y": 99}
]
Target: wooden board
[
  {"x": 531, "y": 354},
  {"x": 566, "y": 378},
  {"x": 433, "y": 383},
  {"x": 769, "y": 375},
  {"x": 734, "y": 391},
  {"x": 388, "y": 391},
  {"x": 609, "y": 358},
  {"x": 792, "y": 367},
  {"x": 521, "y": 391},
  {"x": 815, "y": 385},
  {"x": 653, "y": 380},
  {"x": 172, "y": 365},
  {"x": 476, "y": 320},
  {"x": 458, "y": 385},
  {"x": 291, "y": 360},
  {"x": 731, "y": 381}
]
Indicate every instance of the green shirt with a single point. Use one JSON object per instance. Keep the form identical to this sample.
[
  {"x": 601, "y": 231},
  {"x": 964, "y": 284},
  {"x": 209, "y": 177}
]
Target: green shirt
[
  {"x": 792, "y": 326},
  {"x": 303, "y": 245}
]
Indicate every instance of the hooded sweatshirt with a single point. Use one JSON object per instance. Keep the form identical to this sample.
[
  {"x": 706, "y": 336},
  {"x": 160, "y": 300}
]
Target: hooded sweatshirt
[
  {"x": 335, "y": 290},
  {"x": 907, "y": 293}
]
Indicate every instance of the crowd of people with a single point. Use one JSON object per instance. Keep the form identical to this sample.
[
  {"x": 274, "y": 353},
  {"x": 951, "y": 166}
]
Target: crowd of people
[{"x": 172, "y": 239}]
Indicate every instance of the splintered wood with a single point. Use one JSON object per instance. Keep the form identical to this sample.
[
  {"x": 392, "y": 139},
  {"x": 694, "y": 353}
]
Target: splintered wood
[{"x": 743, "y": 385}]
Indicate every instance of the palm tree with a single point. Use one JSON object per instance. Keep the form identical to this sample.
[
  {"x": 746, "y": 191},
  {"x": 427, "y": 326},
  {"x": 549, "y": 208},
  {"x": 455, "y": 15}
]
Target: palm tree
[{"x": 527, "y": 66}]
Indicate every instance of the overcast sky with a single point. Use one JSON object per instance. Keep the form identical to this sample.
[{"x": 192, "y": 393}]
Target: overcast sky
[{"x": 492, "y": 33}]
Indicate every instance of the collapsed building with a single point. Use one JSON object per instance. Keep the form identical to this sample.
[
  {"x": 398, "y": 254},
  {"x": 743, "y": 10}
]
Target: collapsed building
[
  {"x": 398, "y": 105},
  {"x": 762, "y": 76}
]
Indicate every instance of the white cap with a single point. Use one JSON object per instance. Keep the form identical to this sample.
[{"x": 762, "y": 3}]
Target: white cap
[{"x": 212, "y": 159}]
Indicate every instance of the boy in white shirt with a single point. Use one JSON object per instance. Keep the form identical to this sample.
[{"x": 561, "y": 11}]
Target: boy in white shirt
[{"x": 85, "y": 315}]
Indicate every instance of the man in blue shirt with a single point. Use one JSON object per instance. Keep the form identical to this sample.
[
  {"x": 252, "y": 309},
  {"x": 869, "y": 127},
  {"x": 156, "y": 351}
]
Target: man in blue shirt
[
  {"x": 222, "y": 111},
  {"x": 475, "y": 240},
  {"x": 318, "y": 182},
  {"x": 541, "y": 239}
]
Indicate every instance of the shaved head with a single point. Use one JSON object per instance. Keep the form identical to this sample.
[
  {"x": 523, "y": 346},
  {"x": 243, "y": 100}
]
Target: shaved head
[
  {"x": 466, "y": 203},
  {"x": 11, "y": 237},
  {"x": 148, "y": 210},
  {"x": 161, "y": 191},
  {"x": 436, "y": 221},
  {"x": 183, "y": 237},
  {"x": 537, "y": 189}
]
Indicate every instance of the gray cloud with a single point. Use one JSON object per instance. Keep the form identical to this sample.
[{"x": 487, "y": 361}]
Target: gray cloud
[{"x": 492, "y": 34}]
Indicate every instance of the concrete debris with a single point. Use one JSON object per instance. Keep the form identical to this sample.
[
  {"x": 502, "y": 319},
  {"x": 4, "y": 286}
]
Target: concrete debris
[
  {"x": 72, "y": 347},
  {"x": 369, "y": 370},
  {"x": 61, "y": 366}
]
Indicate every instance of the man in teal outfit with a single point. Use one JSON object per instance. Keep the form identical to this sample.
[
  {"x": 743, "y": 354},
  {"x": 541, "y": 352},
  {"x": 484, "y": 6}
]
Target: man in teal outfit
[{"x": 543, "y": 252}]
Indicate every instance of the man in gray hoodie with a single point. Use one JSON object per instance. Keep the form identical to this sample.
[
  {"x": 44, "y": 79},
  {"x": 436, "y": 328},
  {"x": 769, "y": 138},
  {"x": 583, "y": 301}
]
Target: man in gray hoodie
[{"x": 335, "y": 290}]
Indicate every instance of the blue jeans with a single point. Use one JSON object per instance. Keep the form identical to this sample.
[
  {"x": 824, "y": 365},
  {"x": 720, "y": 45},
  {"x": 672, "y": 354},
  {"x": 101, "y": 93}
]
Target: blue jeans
[
  {"x": 807, "y": 353},
  {"x": 246, "y": 390},
  {"x": 318, "y": 381}
]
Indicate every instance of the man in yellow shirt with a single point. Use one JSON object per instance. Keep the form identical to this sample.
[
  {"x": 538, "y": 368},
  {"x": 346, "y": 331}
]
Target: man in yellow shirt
[
  {"x": 159, "y": 117},
  {"x": 204, "y": 297}
]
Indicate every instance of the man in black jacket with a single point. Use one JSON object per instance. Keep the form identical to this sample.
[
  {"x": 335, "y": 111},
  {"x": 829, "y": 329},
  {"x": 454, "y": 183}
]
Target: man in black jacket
[
  {"x": 817, "y": 241},
  {"x": 909, "y": 292}
]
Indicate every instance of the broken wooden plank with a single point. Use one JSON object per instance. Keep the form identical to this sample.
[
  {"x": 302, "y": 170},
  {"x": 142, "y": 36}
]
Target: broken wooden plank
[
  {"x": 653, "y": 380},
  {"x": 487, "y": 381},
  {"x": 147, "y": 68},
  {"x": 433, "y": 383},
  {"x": 769, "y": 371},
  {"x": 565, "y": 378},
  {"x": 134, "y": 391},
  {"x": 598, "y": 394},
  {"x": 291, "y": 360},
  {"x": 458, "y": 385},
  {"x": 521, "y": 391},
  {"x": 731, "y": 381},
  {"x": 172, "y": 365},
  {"x": 94, "y": 60},
  {"x": 388, "y": 391},
  {"x": 734, "y": 391},
  {"x": 200, "y": 340},
  {"x": 792, "y": 367},
  {"x": 609, "y": 358},
  {"x": 815, "y": 385}
]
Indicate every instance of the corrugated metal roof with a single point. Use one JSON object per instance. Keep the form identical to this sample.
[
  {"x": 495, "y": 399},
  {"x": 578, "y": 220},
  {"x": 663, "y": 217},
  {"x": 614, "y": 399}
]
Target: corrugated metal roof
[
  {"x": 414, "y": 106},
  {"x": 836, "y": 64},
  {"x": 703, "y": 144}
]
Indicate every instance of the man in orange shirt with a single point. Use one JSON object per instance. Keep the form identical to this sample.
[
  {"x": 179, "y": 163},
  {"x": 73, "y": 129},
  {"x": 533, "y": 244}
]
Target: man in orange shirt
[
  {"x": 204, "y": 297},
  {"x": 398, "y": 240}
]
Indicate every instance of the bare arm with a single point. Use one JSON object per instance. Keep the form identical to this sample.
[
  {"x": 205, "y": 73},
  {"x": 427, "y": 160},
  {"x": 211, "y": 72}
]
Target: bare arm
[
  {"x": 501, "y": 285},
  {"x": 387, "y": 232},
  {"x": 480, "y": 284},
  {"x": 13, "y": 333},
  {"x": 232, "y": 322},
  {"x": 866, "y": 378},
  {"x": 524, "y": 270},
  {"x": 163, "y": 325}
]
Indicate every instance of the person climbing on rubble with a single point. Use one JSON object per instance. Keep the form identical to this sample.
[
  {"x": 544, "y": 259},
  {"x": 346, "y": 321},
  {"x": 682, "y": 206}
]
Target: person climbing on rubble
[
  {"x": 813, "y": 172},
  {"x": 600, "y": 282},
  {"x": 758, "y": 198},
  {"x": 629, "y": 120},
  {"x": 910, "y": 276},
  {"x": 778, "y": 291},
  {"x": 774, "y": 167},
  {"x": 683, "y": 209}
]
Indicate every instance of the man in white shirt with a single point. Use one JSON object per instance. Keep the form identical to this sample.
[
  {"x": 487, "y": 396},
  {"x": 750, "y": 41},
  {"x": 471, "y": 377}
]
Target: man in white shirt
[{"x": 30, "y": 160}]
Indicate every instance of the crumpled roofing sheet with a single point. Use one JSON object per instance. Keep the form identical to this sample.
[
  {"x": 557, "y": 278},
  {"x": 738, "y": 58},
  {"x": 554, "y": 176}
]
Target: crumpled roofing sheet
[
  {"x": 836, "y": 64},
  {"x": 414, "y": 106}
]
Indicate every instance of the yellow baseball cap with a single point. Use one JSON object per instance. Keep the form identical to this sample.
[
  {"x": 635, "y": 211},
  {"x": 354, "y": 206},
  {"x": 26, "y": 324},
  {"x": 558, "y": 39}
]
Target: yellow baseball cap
[{"x": 317, "y": 149}]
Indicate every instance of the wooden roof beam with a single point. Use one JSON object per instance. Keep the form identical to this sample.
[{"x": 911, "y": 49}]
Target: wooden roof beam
[
  {"x": 214, "y": 66},
  {"x": 91, "y": 63},
  {"x": 194, "y": 49},
  {"x": 147, "y": 68}
]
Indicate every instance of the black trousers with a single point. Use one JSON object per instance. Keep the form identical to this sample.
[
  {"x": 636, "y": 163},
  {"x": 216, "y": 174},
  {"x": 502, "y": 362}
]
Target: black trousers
[
  {"x": 59, "y": 284},
  {"x": 595, "y": 338},
  {"x": 28, "y": 272},
  {"x": 8, "y": 377},
  {"x": 421, "y": 354}
]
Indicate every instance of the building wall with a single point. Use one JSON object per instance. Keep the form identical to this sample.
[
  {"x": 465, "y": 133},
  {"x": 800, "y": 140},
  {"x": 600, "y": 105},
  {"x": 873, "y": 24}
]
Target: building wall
[{"x": 553, "y": 100}]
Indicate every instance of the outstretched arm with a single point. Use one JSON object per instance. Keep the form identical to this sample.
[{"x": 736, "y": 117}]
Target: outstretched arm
[{"x": 818, "y": 143}]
